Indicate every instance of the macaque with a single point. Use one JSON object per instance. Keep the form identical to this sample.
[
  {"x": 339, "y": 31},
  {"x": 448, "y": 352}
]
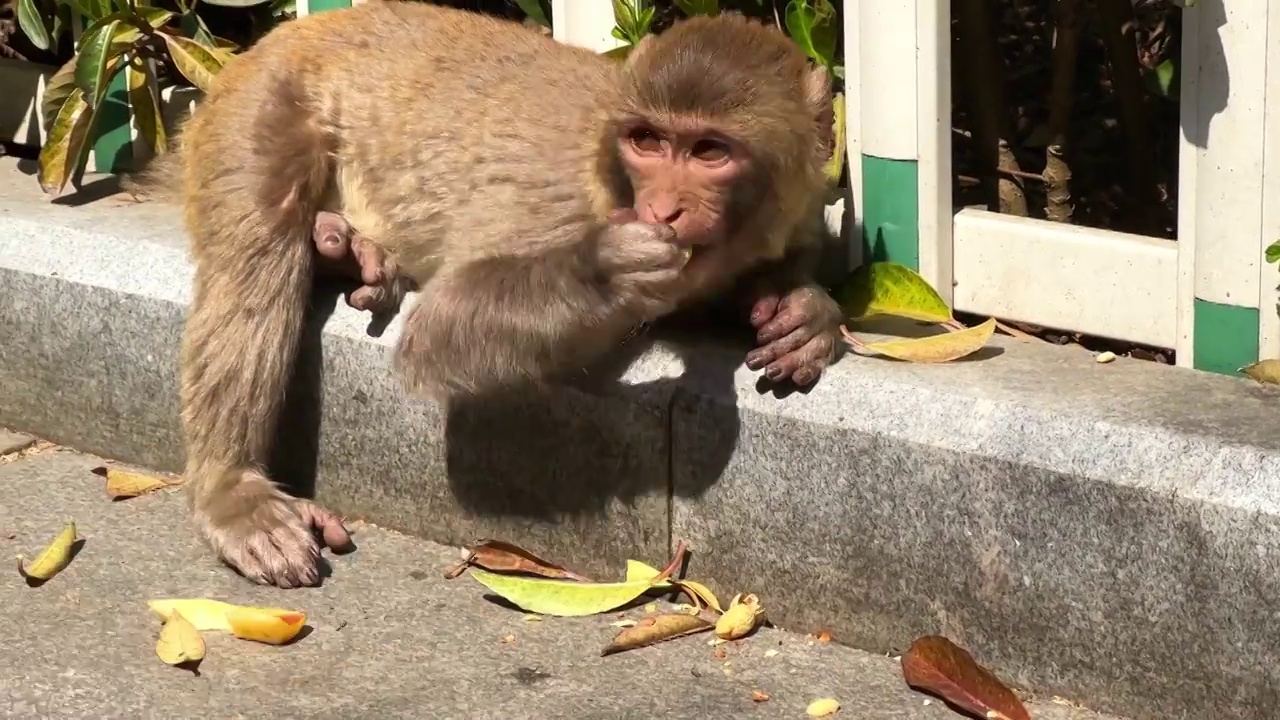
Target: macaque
[{"x": 544, "y": 199}]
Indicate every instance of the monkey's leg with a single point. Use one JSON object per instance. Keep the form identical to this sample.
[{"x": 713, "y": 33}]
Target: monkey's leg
[{"x": 251, "y": 228}]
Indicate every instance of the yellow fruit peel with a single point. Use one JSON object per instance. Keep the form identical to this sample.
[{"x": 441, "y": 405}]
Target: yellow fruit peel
[
  {"x": 53, "y": 558},
  {"x": 201, "y": 613},
  {"x": 824, "y": 707},
  {"x": 179, "y": 642},
  {"x": 742, "y": 616},
  {"x": 274, "y": 626}
]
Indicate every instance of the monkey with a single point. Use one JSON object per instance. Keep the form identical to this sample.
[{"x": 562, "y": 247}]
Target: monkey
[{"x": 544, "y": 199}]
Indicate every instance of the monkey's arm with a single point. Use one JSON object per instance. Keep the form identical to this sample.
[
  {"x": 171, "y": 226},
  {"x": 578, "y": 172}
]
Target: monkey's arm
[
  {"x": 499, "y": 320},
  {"x": 797, "y": 322}
]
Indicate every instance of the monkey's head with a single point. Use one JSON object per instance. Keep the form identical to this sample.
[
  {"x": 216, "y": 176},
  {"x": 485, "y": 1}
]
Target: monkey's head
[{"x": 722, "y": 129}]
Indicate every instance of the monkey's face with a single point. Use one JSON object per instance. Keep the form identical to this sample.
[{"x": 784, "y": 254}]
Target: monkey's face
[{"x": 684, "y": 177}]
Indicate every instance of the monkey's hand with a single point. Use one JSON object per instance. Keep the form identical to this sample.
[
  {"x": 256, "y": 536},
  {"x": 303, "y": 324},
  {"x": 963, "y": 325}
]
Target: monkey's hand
[
  {"x": 266, "y": 534},
  {"x": 642, "y": 262},
  {"x": 797, "y": 334},
  {"x": 347, "y": 253}
]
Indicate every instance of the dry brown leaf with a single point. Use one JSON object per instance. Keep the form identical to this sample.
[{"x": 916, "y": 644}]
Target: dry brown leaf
[
  {"x": 1266, "y": 372},
  {"x": 123, "y": 484},
  {"x": 503, "y": 557},
  {"x": 937, "y": 666},
  {"x": 664, "y": 627},
  {"x": 759, "y": 696}
]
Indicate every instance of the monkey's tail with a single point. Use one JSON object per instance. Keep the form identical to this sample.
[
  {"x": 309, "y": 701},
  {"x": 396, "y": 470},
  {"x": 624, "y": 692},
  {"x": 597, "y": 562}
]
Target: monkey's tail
[
  {"x": 160, "y": 179},
  {"x": 238, "y": 351}
]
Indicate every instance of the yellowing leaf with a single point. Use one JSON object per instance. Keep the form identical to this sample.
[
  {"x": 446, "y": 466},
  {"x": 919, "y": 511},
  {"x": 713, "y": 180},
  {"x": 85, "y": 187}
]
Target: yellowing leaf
[
  {"x": 146, "y": 108},
  {"x": 886, "y": 288},
  {"x": 97, "y": 58},
  {"x": 53, "y": 558},
  {"x": 66, "y": 145},
  {"x": 937, "y": 348},
  {"x": 663, "y": 627},
  {"x": 637, "y": 571},
  {"x": 835, "y": 166},
  {"x": 561, "y": 597},
  {"x": 56, "y": 91},
  {"x": 203, "y": 614},
  {"x": 274, "y": 626},
  {"x": 700, "y": 592},
  {"x": 1264, "y": 371},
  {"x": 125, "y": 484},
  {"x": 196, "y": 62},
  {"x": 179, "y": 641},
  {"x": 822, "y": 708}
]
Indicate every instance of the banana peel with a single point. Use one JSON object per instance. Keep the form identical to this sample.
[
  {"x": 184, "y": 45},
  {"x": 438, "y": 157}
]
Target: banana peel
[
  {"x": 53, "y": 558},
  {"x": 274, "y": 626}
]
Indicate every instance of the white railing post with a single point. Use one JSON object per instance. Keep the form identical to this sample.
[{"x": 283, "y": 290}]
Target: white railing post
[
  {"x": 1223, "y": 204},
  {"x": 586, "y": 24},
  {"x": 853, "y": 132}
]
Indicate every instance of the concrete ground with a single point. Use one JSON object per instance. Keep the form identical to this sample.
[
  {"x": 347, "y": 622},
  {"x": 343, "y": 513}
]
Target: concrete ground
[{"x": 389, "y": 638}]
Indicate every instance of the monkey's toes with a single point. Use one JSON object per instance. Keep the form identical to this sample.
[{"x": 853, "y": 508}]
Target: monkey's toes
[
  {"x": 266, "y": 538},
  {"x": 804, "y": 365}
]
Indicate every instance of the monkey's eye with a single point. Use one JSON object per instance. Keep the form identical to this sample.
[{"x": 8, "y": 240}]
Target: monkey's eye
[
  {"x": 711, "y": 151},
  {"x": 646, "y": 141}
]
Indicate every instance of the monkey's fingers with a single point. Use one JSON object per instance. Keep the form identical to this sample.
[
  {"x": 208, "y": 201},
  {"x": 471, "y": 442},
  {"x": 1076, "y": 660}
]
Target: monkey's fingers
[
  {"x": 371, "y": 260},
  {"x": 806, "y": 364},
  {"x": 791, "y": 342},
  {"x": 794, "y": 311},
  {"x": 764, "y": 309}
]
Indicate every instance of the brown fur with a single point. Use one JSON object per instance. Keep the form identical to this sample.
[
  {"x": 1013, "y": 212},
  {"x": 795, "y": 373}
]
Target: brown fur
[{"x": 481, "y": 159}]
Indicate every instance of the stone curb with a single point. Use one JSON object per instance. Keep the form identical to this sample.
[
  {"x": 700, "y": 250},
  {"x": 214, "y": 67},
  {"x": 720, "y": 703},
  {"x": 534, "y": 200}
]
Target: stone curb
[{"x": 1109, "y": 533}]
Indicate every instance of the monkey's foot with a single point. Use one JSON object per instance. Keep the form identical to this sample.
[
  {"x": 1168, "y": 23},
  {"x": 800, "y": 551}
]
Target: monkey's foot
[
  {"x": 345, "y": 252},
  {"x": 797, "y": 335},
  {"x": 266, "y": 534}
]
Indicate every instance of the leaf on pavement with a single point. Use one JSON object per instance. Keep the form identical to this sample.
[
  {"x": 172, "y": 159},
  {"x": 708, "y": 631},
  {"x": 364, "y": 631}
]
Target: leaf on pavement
[
  {"x": 886, "y": 288},
  {"x": 664, "y": 627},
  {"x": 565, "y": 598},
  {"x": 52, "y": 559},
  {"x": 499, "y": 556},
  {"x": 122, "y": 484},
  {"x": 1264, "y": 371},
  {"x": 179, "y": 641},
  {"x": 935, "y": 348},
  {"x": 937, "y": 666}
]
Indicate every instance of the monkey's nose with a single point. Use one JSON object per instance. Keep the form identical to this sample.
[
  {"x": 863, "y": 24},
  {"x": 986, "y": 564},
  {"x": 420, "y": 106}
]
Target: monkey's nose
[{"x": 665, "y": 215}]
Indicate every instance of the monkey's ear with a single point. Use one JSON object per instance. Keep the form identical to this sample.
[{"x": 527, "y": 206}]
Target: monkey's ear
[
  {"x": 817, "y": 90},
  {"x": 639, "y": 50}
]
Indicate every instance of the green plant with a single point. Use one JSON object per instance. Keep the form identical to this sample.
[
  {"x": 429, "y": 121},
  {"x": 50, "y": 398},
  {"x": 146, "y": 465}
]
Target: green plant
[{"x": 148, "y": 41}]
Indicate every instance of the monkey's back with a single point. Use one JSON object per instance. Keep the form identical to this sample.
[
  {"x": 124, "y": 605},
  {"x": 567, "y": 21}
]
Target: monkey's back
[{"x": 455, "y": 132}]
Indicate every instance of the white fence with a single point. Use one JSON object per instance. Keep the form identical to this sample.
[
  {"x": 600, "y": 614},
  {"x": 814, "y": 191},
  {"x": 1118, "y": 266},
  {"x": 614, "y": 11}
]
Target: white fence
[{"x": 1209, "y": 295}]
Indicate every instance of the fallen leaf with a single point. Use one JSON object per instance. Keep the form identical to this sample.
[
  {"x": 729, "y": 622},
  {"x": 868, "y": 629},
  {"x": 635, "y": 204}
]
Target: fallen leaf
[
  {"x": 637, "y": 571},
  {"x": 53, "y": 558},
  {"x": 664, "y": 627},
  {"x": 179, "y": 641},
  {"x": 499, "y": 556},
  {"x": 1264, "y": 371},
  {"x": 123, "y": 484},
  {"x": 274, "y": 626},
  {"x": 941, "y": 348},
  {"x": 741, "y": 618},
  {"x": 562, "y": 598},
  {"x": 937, "y": 666},
  {"x": 700, "y": 592},
  {"x": 759, "y": 696},
  {"x": 886, "y": 288},
  {"x": 822, "y": 707}
]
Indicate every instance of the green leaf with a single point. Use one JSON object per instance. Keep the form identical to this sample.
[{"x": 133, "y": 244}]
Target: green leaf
[
  {"x": 145, "y": 103},
  {"x": 694, "y": 8},
  {"x": 34, "y": 24},
  {"x": 836, "y": 164},
  {"x": 561, "y": 598},
  {"x": 196, "y": 62},
  {"x": 1273, "y": 252},
  {"x": 99, "y": 57},
  {"x": 67, "y": 144},
  {"x": 886, "y": 288},
  {"x": 56, "y": 92},
  {"x": 533, "y": 9},
  {"x": 813, "y": 29},
  {"x": 638, "y": 571},
  {"x": 154, "y": 16}
]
